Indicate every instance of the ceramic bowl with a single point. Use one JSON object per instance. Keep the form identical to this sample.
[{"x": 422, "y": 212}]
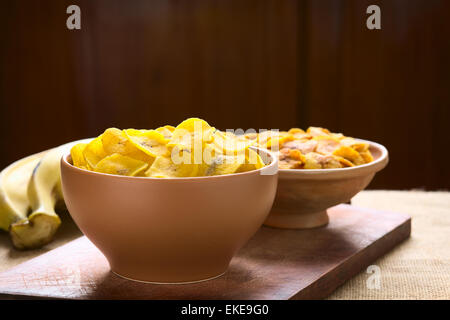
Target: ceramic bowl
[
  {"x": 303, "y": 196},
  {"x": 169, "y": 230}
]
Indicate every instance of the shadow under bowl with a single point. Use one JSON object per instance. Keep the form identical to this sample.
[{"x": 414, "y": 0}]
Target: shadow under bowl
[{"x": 303, "y": 196}]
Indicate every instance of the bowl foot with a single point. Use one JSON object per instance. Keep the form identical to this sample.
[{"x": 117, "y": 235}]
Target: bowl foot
[
  {"x": 171, "y": 282},
  {"x": 295, "y": 220}
]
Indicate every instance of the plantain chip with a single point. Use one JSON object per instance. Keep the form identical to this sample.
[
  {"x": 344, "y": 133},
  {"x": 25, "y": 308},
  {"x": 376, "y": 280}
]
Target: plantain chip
[
  {"x": 252, "y": 157},
  {"x": 318, "y": 131},
  {"x": 166, "y": 131},
  {"x": 314, "y": 149},
  {"x": 344, "y": 162},
  {"x": 326, "y": 144},
  {"x": 315, "y": 160},
  {"x": 367, "y": 156},
  {"x": 150, "y": 142},
  {"x": 264, "y": 137},
  {"x": 164, "y": 167},
  {"x": 349, "y": 154},
  {"x": 77, "y": 155},
  {"x": 357, "y": 145},
  {"x": 311, "y": 161},
  {"x": 278, "y": 141},
  {"x": 304, "y": 146},
  {"x": 193, "y": 148},
  {"x": 228, "y": 143},
  {"x": 338, "y": 136},
  {"x": 121, "y": 165},
  {"x": 331, "y": 162},
  {"x": 94, "y": 152},
  {"x": 115, "y": 141},
  {"x": 223, "y": 164},
  {"x": 191, "y": 131},
  {"x": 296, "y": 155}
]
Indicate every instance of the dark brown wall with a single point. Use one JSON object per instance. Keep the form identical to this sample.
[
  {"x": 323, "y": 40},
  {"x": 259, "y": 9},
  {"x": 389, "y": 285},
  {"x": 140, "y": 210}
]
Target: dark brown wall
[{"x": 239, "y": 63}]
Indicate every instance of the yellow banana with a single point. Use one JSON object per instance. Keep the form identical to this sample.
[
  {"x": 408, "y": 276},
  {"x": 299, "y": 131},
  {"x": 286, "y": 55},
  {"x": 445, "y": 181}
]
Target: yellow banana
[
  {"x": 14, "y": 204},
  {"x": 38, "y": 183}
]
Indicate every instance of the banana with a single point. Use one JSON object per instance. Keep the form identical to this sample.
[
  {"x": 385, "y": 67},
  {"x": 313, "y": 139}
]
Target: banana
[
  {"x": 14, "y": 204},
  {"x": 38, "y": 185}
]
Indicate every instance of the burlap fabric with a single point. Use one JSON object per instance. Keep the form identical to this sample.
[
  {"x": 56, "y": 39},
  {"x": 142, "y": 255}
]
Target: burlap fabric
[{"x": 419, "y": 268}]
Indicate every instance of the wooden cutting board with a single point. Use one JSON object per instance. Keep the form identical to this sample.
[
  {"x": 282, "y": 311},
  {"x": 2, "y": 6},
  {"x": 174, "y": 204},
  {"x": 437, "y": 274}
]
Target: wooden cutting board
[{"x": 275, "y": 264}]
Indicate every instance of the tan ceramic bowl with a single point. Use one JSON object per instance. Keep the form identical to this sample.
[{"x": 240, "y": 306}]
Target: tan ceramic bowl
[
  {"x": 303, "y": 196},
  {"x": 169, "y": 230}
]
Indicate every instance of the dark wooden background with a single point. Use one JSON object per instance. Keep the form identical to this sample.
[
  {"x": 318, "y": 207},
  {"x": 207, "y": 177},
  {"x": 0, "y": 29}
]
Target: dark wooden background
[{"x": 237, "y": 64}]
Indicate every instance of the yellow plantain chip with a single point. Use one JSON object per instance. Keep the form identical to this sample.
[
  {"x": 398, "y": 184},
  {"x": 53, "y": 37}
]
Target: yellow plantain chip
[
  {"x": 367, "y": 156},
  {"x": 317, "y": 148},
  {"x": 164, "y": 167},
  {"x": 77, "y": 155},
  {"x": 315, "y": 160},
  {"x": 311, "y": 161},
  {"x": 121, "y": 165},
  {"x": 151, "y": 142},
  {"x": 94, "y": 152},
  {"x": 331, "y": 162},
  {"x": 348, "y": 141},
  {"x": 278, "y": 141},
  {"x": 290, "y": 159},
  {"x": 302, "y": 136},
  {"x": 252, "y": 157},
  {"x": 344, "y": 162},
  {"x": 190, "y": 131},
  {"x": 166, "y": 131},
  {"x": 252, "y": 161},
  {"x": 265, "y": 136},
  {"x": 296, "y": 155},
  {"x": 326, "y": 144},
  {"x": 116, "y": 141},
  {"x": 229, "y": 143},
  {"x": 193, "y": 148},
  {"x": 317, "y": 131},
  {"x": 351, "y": 142},
  {"x": 191, "y": 123},
  {"x": 223, "y": 164},
  {"x": 361, "y": 146},
  {"x": 304, "y": 146},
  {"x": 349, "y": 154},
  {"x": 246, "y": 167},
  {"x": 338, "y": 136}
]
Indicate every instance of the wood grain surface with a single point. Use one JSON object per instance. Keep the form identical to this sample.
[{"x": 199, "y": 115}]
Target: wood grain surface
[{"x": 275, "y": 264}]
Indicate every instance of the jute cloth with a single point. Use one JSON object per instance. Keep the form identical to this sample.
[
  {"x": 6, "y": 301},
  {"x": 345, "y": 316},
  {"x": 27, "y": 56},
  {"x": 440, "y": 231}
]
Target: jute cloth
[{"x": 419, "y": 268}]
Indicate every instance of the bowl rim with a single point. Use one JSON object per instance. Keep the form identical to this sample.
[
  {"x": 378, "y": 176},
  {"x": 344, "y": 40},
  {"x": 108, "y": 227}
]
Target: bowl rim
[
  {"x": 266, "y": 170},
  {"x": 373, "y": 166}
]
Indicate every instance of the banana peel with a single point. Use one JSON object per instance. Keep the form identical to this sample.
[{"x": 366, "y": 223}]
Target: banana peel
[
  {"x": 40, "y": 226},
  {"x": 14, "y": 204},
  {"x": 29, "y": 212}
]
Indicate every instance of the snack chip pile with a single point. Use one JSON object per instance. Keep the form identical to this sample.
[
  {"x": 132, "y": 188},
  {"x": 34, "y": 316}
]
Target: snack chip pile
[
  {"x": 191, "y": 149},
  {"x": 317, "y": 148}
]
